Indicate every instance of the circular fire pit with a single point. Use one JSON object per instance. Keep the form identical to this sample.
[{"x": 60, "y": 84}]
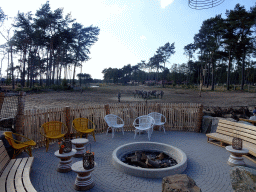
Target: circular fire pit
[{"x": 174, "y": 152}]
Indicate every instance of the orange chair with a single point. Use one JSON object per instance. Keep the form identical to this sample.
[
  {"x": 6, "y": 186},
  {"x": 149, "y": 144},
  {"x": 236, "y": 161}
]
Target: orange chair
[
  {"x": 53, "y": 130},
  {"x": 19, "y": 146},
  {"x": 84, "y": 126}
]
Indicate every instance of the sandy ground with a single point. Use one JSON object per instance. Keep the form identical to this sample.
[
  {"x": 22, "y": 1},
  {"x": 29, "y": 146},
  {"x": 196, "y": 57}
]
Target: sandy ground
[{"x": 108, "y": 95}]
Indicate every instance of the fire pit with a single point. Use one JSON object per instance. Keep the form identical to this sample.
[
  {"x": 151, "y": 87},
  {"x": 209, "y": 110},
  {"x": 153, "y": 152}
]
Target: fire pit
[
  {"x": 149, "y": 159},
  {"x": 127, "y": 152}
]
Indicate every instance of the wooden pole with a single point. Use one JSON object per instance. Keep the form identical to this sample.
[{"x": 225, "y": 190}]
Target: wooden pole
[
  {"x": 158, "y": 108},
  {"x": 107, "y": 109},
  {"x": 1, "y": 101},
  {"x": 67, "y": 113},
  {"x": 199, "y": 119},
  {"x": 19, "y": 125},
  {"x": 107, "y": 113}
]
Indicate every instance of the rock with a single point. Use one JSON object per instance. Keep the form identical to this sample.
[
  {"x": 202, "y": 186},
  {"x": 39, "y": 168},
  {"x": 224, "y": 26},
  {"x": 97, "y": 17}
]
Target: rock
[
  {"x": 209, "y": 124},
  {"x": 206, "y": 124},
  {"x": 179, "y": 183},
  {"x": 228, "y": 115},
  {"x": 245, "y": 122},
  {"x": 243, "y": 179}
]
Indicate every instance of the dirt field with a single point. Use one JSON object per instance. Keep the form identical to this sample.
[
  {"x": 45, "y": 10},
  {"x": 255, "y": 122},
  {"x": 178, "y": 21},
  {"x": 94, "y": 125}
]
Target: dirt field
[{"x": 108, "y": 94}]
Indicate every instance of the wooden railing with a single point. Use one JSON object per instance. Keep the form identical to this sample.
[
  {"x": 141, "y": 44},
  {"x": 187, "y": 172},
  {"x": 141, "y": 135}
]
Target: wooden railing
[{"x": 181, "y": 117}]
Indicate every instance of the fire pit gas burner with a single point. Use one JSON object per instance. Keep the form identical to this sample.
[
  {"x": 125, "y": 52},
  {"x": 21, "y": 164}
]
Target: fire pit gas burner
[{"x": 148, "y": 159}]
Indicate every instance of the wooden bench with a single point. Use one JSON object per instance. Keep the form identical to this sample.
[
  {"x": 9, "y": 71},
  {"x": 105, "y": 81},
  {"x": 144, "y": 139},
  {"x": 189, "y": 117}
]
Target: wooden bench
[
  {"x": 14, "y": 173},
  {"x": 247, "y": 120},
  {"x": 225, "y": 132}
]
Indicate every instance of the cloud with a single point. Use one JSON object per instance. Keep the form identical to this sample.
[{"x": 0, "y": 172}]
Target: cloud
[
  {"x": 142, "y": 37},
  {"x": 165, "y": 3}
]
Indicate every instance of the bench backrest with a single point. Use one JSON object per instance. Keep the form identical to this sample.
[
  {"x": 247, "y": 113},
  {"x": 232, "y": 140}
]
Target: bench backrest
[
  {"x": 4, "y": 157},
  {"x": 248, "y": 120},
  {"x": 234, "y": 129}
]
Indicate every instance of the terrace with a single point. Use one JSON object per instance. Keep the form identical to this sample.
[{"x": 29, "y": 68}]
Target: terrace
[
  {"x": 207, "y": 163},
  {"x": 209, "y": 170}
]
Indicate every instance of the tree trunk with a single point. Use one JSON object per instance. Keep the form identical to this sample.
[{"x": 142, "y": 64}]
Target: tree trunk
[
  {"x": 74, "y": 73},
  {"x": 24, "y": 68},
  {"x": 212, "y": 75},
  {"x": 229, "y": 66},
  {"x": 50, "y": 63},
  {"x": 208, "y": 74},
  {"x": 47, "y": 69},
  {"x": 12, "y": 70},
  {"x": 243, "y": 65}
]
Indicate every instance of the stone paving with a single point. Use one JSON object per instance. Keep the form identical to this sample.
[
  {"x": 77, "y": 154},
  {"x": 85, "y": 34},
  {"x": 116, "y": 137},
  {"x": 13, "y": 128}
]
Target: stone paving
[{"x": 207, "y": 165}]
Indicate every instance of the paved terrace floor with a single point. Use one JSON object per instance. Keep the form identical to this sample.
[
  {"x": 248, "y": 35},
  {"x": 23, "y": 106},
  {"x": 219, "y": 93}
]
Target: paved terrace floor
[{"x": 207, "y": 165}]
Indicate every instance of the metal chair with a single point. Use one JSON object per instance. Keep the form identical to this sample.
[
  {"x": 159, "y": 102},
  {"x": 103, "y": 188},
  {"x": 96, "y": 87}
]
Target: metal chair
[
  {"x": 82, "y": 125},
  {"x": 53, "y": 130},
  {"x": 18, "y": 145},
  {"x": 160, "y": 119},
  {"x": 144, "y": 123},
  {"x": 114, "y": 122}
]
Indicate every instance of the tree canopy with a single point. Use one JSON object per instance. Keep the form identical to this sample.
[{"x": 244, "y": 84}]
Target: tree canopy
[{"x": 49, "y": 44}]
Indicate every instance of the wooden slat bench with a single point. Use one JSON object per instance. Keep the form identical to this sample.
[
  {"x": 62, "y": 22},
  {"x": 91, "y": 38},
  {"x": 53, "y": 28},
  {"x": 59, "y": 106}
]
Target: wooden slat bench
[
  {"x": 226, "y": 130},
  {"x": 14, "y": 173}
]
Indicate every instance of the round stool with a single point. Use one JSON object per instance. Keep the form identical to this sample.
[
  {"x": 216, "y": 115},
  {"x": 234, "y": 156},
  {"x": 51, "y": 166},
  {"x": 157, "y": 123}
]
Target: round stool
[
  {"x": 79, "y": 146},
  {"x": 84, "y": 179}
]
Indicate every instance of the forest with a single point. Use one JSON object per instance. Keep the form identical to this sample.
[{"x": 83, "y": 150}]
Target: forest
[
  {"x": 49, "y": 45},
  {"x": 223, "y": 52}
]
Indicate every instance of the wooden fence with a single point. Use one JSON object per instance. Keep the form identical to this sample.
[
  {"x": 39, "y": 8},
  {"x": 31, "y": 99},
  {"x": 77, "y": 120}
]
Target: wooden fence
[{"x": 180, "y": 117}]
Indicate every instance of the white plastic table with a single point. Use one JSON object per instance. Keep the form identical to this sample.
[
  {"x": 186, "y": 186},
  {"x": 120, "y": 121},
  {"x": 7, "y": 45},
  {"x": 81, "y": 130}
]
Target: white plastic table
[
  {"x": 236, "y": 156},
  {"x": 84, "y": 179},
  {"x": 65, "y": 161},
  {"x": 79, "y": 146}
]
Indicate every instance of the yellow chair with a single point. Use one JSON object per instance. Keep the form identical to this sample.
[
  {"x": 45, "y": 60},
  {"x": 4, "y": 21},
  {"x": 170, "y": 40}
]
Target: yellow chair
[
  {"x": 81, "y": 125},
  {"x": 19, "y": 146},
  {"x": 53, "y": 130}
]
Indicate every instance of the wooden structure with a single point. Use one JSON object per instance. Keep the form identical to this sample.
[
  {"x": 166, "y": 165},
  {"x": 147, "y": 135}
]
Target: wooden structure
[
  {"x": 19, "y": 145},
  {"x": 179, "y": 117},
  {"x": 12, "y": 111},
  {"x": 14, "y": 174},
  {"x": 226, "y": 130},
  {"x": 53, "y": 130},
  {"x": 248, "y": 120}
]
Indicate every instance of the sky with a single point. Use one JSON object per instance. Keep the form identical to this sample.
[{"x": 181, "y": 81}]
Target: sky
[{"x": 130, "y": 30}]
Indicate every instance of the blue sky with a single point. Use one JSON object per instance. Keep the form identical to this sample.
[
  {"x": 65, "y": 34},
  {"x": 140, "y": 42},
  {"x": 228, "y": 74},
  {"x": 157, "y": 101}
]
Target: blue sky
[{"x": 131, "y": 30}]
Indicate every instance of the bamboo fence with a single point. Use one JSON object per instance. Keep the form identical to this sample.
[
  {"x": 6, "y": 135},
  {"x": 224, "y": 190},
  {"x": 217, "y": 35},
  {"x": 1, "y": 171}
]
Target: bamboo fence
[{"x": 179, "y": 117}]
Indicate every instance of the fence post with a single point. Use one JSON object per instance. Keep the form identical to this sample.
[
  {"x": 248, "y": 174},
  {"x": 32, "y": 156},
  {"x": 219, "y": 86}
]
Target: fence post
[
  {"x": 19, "y": 125},
  {"x": 108, "y": 112},
  {"x": 199, "y": 119},
  {"x": 107, "y": 109},
  {"x": 1, "y": 101},
  {"x": 158, "y": 108},
  {"x": 67, "y": 113}
]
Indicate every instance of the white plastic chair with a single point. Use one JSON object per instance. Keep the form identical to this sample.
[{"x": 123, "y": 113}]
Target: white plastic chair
[
  {"x": 144, "y": 123},
  {"x": 114, "y": 122},
  {"x": 160, "y": 119}
]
